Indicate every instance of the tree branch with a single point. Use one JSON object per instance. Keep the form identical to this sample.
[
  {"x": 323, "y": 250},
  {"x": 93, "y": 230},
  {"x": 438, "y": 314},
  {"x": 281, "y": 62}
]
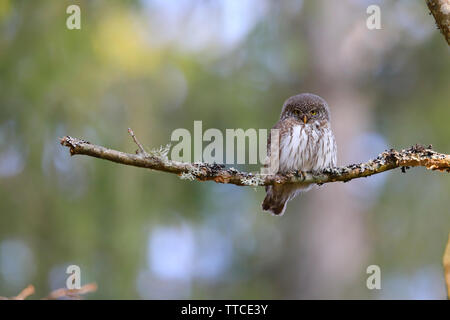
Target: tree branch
[
  {"x": 440, "y": 9},
  {"x": 157, "y": 160}
]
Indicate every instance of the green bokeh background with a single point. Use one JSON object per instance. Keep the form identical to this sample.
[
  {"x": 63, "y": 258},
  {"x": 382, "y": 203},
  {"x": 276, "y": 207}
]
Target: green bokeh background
[{"x": 156, "y": 66}]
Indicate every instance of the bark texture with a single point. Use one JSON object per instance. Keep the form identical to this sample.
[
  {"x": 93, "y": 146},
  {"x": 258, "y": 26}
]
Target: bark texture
[{"x": 412, "y": 157}]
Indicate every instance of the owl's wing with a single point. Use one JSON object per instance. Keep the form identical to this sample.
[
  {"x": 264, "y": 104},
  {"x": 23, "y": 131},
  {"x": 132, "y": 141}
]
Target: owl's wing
[
  {"x": 280, "y": 125},
  {"x": 283, "y": 127},
  {"x": 334, "y": 151}
]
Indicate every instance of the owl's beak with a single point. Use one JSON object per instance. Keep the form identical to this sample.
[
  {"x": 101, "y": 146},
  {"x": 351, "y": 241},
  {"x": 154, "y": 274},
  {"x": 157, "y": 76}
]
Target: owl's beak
[{"x": 305, "y": 119}]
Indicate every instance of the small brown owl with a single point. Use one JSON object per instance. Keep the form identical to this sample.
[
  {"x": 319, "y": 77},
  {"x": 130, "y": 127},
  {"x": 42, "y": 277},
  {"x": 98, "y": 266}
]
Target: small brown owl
[{"x": 306, "y": 143}]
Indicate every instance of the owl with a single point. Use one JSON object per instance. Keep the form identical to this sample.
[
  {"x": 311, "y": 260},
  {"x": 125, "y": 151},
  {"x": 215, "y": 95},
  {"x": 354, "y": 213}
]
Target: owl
[{"x": 306, "y": 143}]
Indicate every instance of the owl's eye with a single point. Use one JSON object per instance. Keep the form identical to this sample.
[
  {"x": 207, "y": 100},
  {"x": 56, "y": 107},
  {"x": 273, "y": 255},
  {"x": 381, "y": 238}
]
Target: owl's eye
[
  {"x": 297, "y": 112},
  {"x": 313, "y": 112}
]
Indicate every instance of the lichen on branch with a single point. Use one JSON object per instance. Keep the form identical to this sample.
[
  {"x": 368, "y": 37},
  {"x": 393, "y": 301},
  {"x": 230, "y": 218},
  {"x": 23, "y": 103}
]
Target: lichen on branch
[
  {"x": 415, "y": 156},
  {"x": 440, "y": 9}
]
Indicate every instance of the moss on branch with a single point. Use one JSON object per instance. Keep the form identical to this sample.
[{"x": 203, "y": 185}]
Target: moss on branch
[{"x": 412, "y": 157}]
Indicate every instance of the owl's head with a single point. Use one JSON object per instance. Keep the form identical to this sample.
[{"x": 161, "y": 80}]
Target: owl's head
[{"x": 306, "y": 108}]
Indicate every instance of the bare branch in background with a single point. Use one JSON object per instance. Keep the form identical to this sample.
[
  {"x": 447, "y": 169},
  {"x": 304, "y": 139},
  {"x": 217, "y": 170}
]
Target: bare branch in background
[
  {"x": 71, "y": 293},
  {"x": 74, "y": 294},
  {"x": 440, "y": 9},
  {"x": 141, "y": 148},
  {"x": 413, "y": 157}
]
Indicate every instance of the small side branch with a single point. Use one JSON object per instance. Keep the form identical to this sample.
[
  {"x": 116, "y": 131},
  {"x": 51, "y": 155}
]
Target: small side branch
[
  {"x": 440, "y": 9},
  {"x": 413, "y": 157},
  {"x": 71, "y": 293},
  {"x": 141, "y": 148}
]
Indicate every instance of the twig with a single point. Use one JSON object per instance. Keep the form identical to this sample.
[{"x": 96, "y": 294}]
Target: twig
[
  {"x": 388, "y": 160},
  {"x": 28, "y": 291},
  {"x": 141, "y": 148},
  {"x": 71, "y": 293},
  {"x": 441, "y": 13},
  {"x": 446, "y": 263}
]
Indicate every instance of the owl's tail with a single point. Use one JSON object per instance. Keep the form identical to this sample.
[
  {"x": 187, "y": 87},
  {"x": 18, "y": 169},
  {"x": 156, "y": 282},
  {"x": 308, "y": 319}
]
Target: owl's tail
[
  {"x": 277, "y": 196},
  {"x": 276, "y": 199},
  {"x": 277, "y": 208}
]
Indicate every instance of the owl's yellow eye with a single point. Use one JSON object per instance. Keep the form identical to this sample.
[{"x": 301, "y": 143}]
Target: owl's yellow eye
[
  {"x": 313, "y": 113},
  {"x": 297, "y": 112}
]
